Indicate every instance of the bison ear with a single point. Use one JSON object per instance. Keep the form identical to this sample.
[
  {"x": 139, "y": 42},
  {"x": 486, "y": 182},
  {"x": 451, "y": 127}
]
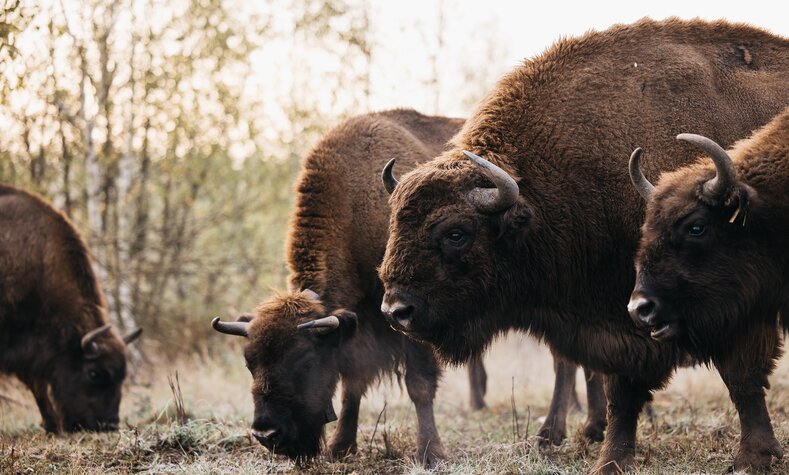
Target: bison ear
[
  {"x": 348, "y": 323},
  {"x": 515, "y": 220},
  {"x": 245, "y": 317}
]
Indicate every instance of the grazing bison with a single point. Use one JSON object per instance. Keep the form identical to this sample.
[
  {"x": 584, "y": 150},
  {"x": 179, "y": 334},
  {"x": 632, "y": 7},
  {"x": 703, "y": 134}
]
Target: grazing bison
[
  {"x": 302, "y": 343},
  {"x": 549, "y": 247},
  {"x": 712, "y": 270},
  {"x": 54, "y": 334}
]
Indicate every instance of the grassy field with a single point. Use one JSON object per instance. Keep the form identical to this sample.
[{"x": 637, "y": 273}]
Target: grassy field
[{"x": 202, "y": 427}]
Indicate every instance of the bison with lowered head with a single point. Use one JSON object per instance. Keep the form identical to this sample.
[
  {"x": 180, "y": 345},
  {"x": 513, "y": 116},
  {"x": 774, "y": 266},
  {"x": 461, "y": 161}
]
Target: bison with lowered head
[
  {"x": 540, "y": 235},
  {"x": 329, "y": 326},
  {"x": 712, "y": 270},
  {"x": 54, "y": 333}
]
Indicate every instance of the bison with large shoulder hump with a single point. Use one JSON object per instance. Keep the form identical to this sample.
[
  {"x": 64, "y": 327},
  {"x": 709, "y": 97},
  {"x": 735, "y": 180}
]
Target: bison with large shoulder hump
[
  {"x": 541, "y": 235},
  {"x": 54, "y": 333},
  {"x": 712, "y": 270},
  {"x": 329, "y": 326}
]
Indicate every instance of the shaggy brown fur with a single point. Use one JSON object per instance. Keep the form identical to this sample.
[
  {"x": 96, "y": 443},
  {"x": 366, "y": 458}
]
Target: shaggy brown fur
[
  {"x": 337, "y": 238},
  {"x": 558, "y": 263},
  {"x": 714, "y": 272},
  {"x": 49, "y": 299}
]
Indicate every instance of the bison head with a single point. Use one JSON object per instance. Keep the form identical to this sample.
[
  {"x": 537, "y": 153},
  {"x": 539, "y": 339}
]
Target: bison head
[
  {"x": 292, "y": 353},
  {"x": 700, "y": 263},
  {"x": 452, "y": 225},
  {"x": 85, "y": 386}
]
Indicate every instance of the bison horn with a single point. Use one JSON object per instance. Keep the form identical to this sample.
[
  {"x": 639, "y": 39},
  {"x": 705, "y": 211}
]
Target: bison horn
[
  {"x": 725, "y": 174},
  {"x": 640, "y": 182},
  {"x": 128, "y": 339},
  {"x": 230, "y": 328},
  {"x": 88, "y": 343},
  {"x": 311, "y": 295},
  {"x": 489, "y": 200},
  {"x": 390, "y": 182},
  {"x": 331, "y": 322}
]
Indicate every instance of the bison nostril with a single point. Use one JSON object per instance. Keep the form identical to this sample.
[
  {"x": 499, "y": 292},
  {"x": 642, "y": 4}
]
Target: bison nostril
[
  {"x": 642, "y": 309},
  {"x": 402, "y": 313},
  {"x": 645, "y": 308}
]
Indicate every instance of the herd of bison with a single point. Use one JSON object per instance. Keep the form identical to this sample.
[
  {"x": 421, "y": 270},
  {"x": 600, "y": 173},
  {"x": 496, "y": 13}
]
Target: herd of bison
[{"x": 623, "y": 197}]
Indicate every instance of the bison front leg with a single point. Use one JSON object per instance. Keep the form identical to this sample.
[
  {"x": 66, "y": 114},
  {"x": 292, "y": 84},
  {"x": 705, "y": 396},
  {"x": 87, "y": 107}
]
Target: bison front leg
[
  {"x": 421, "y": 381},
  {"x": 343, "y": 440},
  {"x": 49, "y": 415},
  {"x": 554, "y": 429},
  {"x": 745, "y": 373},
  {"x": 478, "y": 383},
  {"x": 594, "y": 428},
  {"x": 626, "y": 397}
]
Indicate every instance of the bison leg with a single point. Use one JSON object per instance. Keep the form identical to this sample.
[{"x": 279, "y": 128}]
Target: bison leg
[
  {"x": 40, "y": 390},
  {"x": 343, "y": 440},
  {"x": 626, "y": 397},
  {"x": 421, "y": 381},
  {"x": 745, "y": 373},
  {"x": 554, "y": 429},
  {"x": 478, "y": 383},
  {"x": 594, "y": 428}
]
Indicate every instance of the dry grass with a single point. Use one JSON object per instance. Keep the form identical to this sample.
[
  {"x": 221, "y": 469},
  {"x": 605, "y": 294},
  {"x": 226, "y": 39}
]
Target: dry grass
[{"x": 696, "y": 427}]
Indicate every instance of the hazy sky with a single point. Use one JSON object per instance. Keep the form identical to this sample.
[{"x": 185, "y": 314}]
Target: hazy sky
[{"x": 494, "y": 35}]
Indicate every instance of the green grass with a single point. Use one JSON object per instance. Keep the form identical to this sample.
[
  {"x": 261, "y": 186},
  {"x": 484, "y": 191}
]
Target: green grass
[{"x": 696, "y": 428}]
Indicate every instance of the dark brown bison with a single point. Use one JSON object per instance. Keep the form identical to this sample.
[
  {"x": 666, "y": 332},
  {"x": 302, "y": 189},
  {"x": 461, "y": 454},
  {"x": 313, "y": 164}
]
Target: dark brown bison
[
  {"x": 541, "y": 236},
  {"x": 712, "y": 270},
  {"x": 54, "y": 333},
  {"x": 329, "y": 326}
]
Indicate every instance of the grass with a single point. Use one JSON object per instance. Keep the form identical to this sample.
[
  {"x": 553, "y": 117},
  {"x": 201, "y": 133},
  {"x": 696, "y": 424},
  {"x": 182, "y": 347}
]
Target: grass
[{"x": 196, "y": 421}]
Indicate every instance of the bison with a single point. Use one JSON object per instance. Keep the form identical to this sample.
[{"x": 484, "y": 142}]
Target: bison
[
  {"x": 54, "y": 333},
  {"x": 540, "y": 235},
  {"x": 328, "y": 326},
  {"x": 712, "y": 269}
]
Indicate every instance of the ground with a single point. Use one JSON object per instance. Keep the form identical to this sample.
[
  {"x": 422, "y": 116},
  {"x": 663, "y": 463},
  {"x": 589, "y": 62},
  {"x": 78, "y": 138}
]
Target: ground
[{"x": 202, "y": 427}]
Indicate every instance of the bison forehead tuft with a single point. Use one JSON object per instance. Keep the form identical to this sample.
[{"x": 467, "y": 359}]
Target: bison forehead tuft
[{"x": 274, "y": 326}]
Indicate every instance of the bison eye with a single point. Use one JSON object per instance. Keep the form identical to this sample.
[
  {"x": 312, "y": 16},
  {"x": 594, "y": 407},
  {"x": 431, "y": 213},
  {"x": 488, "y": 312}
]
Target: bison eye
[
  {"x": 456, "y": 238},
  {"x": 93, "y": 375},
  {"x": 697, "y": 230}
]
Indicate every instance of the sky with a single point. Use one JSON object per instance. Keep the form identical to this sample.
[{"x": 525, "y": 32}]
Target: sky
[{"x": 495, "y": 35}]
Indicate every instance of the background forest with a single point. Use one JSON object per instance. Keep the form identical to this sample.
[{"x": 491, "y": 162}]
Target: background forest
[{"x": 171, "y": 134}]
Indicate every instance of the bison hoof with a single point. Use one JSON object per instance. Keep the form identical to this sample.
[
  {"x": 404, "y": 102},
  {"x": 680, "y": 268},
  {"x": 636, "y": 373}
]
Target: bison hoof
[
  {"x": 341, "y": 449},
  {"x": 594, "y": 431},
  {"x": 757, "y": 453},
  {"x": 478, "y": 404},
  {"x": 430, "y": 456},
  {"x": 613, "y": 465},
  {"x": 548, "y": 436}
]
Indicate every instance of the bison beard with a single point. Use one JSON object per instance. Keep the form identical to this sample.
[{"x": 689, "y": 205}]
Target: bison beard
[{"x": 558, "y": 261}]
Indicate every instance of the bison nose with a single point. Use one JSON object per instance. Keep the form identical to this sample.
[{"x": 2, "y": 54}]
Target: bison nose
[
  {"x": 642, "y": 309},
  {"x": 398, "y": 312},
  {"x": 267, "y": 437}
]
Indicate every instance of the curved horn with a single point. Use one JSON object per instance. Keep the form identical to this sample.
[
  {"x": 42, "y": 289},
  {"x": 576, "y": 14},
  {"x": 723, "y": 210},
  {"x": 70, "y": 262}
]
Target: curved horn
[
  {"x": 128, "y": 339},
  {"x": 331, "y": 322},
  {"x": 390, "y": 182},
  {"x": 490, "y": 200},
  {"x": 311, "y": 295},
  {"x": 725, "y": 174},
  {"x": 88, "y": 343},
  {"x": 230, "y": 328},
  {"x": 640, "y": 182}
]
